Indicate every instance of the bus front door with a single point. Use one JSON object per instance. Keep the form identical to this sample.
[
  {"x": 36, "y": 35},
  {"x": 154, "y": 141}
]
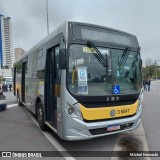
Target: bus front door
[{"x": 50, "y": 99}]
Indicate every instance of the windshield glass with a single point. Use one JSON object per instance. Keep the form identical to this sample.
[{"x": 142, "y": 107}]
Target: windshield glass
[{"x": 87, "y": 76}]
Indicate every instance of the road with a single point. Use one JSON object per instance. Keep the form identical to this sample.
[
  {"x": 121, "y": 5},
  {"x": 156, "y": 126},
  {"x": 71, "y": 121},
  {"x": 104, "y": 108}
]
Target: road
[
  {"x": 19, "y": 132},
  {"x": 151, "y": 116}
]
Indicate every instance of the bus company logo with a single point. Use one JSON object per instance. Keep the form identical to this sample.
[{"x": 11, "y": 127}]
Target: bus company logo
[
  {"x": 6, "y": 154},
  {"x": 112, "y": 113},
  {"x": 117, "y": 98}
]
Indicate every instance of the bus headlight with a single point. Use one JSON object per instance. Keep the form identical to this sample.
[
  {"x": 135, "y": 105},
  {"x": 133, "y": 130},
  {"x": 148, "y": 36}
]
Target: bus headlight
[
  {"x": 73, "y": 112},
  {"x": 70, "y": 110},
  {"x": 140, "y": 101},
  {"x": 141, "y": 96},
  {"x": 139, "y": 108}
]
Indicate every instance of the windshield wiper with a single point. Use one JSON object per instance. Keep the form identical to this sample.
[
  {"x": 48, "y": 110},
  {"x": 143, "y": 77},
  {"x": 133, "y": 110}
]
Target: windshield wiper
[
  {"x": 98, "y": 54},
  {"x": 124, "y": 57}
]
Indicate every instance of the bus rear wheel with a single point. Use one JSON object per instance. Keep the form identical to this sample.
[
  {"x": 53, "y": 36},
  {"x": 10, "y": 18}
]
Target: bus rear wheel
[{"x": 40, "y": 116}]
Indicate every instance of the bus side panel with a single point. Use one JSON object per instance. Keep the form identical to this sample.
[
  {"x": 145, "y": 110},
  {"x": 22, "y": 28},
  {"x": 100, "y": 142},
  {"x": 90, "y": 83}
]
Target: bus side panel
[
  {"x": 29, "y": 81},
  {"x": 35, "y": 79}
]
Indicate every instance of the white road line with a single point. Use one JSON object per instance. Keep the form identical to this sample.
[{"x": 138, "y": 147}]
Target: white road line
[
  {"x": 12, "y": 105},
  {"x": 138, "y": 133},
  {"x": 52, "y": 140}
]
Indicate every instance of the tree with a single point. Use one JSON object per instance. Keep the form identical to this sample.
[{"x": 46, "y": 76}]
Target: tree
[{"x": 151, "y": 71}]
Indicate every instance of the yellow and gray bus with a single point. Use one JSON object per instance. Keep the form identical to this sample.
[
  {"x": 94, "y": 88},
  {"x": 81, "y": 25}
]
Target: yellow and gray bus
[{"x": 82, "y": 81}]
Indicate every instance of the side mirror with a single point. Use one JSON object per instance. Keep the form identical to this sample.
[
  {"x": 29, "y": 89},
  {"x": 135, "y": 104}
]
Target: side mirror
[{"x": 62, "y": 59}]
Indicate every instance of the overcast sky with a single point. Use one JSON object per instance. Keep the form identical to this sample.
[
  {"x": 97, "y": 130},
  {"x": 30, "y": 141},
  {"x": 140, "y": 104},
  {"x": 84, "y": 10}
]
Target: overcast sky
[{"x": 138, "y": 17}]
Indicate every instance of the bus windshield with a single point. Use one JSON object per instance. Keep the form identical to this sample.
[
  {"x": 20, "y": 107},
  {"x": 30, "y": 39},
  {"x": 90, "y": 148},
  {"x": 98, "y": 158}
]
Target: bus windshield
[{"x": 88, "y": 76}]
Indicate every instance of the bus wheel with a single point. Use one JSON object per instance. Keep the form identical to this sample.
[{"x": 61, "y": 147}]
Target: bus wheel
[{"x": 40, "y": 116}]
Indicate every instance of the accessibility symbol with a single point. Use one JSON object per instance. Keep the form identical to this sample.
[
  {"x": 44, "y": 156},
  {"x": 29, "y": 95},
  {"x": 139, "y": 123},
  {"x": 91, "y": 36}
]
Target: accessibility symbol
[
  {"x": 116, "y": 89},
  {"x": 82, "y": 73}
]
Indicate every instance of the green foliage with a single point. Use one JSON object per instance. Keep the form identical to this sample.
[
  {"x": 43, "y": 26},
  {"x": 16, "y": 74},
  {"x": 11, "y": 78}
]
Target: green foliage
[
  {"x": 18, "y": 66},
  {"x": 151, "y": 71}
]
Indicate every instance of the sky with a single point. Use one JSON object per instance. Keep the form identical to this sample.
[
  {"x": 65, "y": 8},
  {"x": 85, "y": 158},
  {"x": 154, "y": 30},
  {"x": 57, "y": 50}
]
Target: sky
[{"x": 138, "y": 17}]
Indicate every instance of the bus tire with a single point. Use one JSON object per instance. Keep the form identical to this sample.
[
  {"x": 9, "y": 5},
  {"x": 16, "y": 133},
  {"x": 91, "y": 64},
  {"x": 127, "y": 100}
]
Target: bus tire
[{"x": 40, "y": 117}]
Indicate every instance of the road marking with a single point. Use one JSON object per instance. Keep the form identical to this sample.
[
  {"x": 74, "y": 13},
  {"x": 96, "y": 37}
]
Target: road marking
[
  {"x": 12, "y": 105},
  {"x": 51, "y": 139},
  {"x": 138, "y": 134}
]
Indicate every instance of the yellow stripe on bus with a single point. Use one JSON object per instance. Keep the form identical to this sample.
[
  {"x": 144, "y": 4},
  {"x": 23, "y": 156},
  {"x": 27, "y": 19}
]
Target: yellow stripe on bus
[{"x": 105, "y": 112}]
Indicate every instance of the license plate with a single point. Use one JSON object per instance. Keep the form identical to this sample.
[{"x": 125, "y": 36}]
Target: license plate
[
  {"x": 113, "y": 128},
  {"x": 123, "y": 111}
]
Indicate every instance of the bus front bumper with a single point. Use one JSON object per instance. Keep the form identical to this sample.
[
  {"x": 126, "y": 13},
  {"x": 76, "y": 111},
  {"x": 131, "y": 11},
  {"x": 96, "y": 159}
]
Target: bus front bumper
[{"x": 80, "y": 130}]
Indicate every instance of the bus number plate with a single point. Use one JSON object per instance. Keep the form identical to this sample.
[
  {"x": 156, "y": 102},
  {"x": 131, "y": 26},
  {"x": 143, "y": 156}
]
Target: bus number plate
[
  {"x": 113, "y": 128},
  {"x": 123, "y": 111}
]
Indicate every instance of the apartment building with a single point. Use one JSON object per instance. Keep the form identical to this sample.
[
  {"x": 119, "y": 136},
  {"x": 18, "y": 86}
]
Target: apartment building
[
  {"x": 18, "y": 52},
  {"x": 6, "y": 43}
]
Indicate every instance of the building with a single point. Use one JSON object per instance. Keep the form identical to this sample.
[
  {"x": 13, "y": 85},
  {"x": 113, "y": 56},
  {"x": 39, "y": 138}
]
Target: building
[
  {"x": 5, "y": 72},
  {"x": 148, "y": 62},
  {"x": 18, "y": 52},
  {"x": 6, "y": 43}
]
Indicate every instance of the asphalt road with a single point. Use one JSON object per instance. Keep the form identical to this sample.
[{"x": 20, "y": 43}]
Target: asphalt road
[
  {"x": 18, "y": 132},
  {"x": 151, "y": 116}
]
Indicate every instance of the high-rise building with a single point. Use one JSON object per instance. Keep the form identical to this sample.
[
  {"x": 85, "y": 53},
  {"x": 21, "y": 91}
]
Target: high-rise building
[
  {"x": 6, "y": 43},
  {"x": 18, "y": 53}
]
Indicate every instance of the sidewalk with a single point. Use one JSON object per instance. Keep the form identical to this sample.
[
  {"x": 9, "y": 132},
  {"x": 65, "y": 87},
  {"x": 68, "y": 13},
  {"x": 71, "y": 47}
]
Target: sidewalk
[{"x": 10, "y": 98}]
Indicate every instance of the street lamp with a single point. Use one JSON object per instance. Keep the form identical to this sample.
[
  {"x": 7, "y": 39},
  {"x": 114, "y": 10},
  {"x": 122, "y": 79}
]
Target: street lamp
[{"x": 47, "y": 17}]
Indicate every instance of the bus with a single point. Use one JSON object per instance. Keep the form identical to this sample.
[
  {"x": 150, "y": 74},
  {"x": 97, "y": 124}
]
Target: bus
[
  {"x": 82, "y": 81},
  {"x": 7, "y": 83},
  {"x": 7, "y": 80}
]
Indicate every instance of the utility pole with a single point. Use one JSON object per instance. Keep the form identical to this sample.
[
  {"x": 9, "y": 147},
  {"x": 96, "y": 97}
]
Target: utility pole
[{"x": 47, "y": 17}]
